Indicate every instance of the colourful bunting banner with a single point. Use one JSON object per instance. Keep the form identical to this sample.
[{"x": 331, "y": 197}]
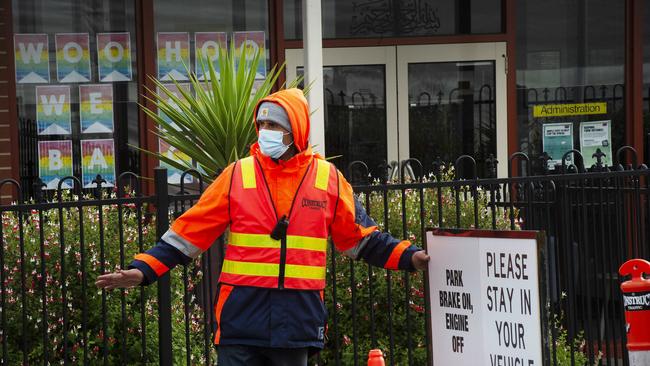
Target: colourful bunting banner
[
  {"x": 114, "y": 57},
  {"x": 72, "y": 57},
  {"x": 55, "y": 163},
  {"x": 96, "y": 108},
  {"x": 206, "y": 48},
  {"x": 252, "y": 41},
  {"x": 97, "y": 158},
  {"x": 175, "y": 91},
  {"x": 173, "y": 55},
  {"x": 31, "y": 53},
  {"x": 174, "y": 174},
  {"x": 53, "y": 110}
]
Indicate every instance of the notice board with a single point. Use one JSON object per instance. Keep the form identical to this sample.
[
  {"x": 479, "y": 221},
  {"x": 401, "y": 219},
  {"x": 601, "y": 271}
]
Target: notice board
[{"x": 486, "y": 291}]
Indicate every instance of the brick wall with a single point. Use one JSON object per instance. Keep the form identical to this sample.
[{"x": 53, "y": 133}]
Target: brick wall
[{"x": 8, "y": 117}]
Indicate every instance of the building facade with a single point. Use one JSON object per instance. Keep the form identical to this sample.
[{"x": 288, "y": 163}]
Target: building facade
[{"x": 402, "y": 79}]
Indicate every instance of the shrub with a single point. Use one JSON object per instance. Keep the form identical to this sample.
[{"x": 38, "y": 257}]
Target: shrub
[
  {"x": 401, "y": 283},
  {"x": 98, "y": 224}
]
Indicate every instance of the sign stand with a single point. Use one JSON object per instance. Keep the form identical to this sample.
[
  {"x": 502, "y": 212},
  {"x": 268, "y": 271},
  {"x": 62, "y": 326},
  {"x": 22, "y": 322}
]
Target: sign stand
[{"x": 486, "y": 296}]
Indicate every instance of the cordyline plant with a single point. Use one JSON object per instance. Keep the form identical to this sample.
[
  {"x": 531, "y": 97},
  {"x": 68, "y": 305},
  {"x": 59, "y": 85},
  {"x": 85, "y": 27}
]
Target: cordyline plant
[{"x": 213, "y": 126}]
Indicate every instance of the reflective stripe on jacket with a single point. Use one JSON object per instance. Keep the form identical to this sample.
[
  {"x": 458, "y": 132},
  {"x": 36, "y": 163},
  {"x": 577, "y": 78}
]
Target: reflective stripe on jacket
[
  {"x": 266, "y": 316},
  {"x": 298, "y": 260}
]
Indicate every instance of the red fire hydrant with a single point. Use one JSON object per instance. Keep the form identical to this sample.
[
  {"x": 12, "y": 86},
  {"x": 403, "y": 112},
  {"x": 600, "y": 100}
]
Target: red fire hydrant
[
  {"x": 376, "y": 358},
  {"x": 636, "y": 300}
]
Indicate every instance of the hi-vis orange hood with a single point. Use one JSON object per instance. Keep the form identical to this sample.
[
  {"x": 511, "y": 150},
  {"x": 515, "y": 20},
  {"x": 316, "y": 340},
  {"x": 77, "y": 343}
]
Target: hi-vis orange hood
[{"x": 295, "y": 103}]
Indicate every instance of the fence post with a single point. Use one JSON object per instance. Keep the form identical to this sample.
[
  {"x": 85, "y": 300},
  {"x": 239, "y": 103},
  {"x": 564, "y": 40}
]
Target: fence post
[{"x": 164, "y": 288}]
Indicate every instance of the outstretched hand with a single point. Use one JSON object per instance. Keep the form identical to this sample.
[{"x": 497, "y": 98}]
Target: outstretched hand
[
  {"x": 420, "y": 260},
  {"x": 120, "y": 279}
]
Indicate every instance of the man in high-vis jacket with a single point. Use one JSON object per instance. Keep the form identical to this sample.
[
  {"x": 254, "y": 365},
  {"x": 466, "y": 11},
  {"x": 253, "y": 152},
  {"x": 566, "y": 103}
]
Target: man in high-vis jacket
[{"x": 281, "y": 203}]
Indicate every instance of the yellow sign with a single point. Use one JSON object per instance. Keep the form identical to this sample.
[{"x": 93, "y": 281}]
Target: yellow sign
[{"x": 578, "y": 109}]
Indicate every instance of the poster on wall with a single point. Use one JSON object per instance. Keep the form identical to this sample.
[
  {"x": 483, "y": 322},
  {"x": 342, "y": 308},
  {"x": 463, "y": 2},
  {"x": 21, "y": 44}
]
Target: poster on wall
[
  {"x": 485, "y": 300},
  {"x": 593, "y": 136},
  {"x": 176, "y": 92},
  {"x": 32, "y": 58},
  {"x": 252, "y": 41},
  {"x": 207, "y": 46},
  {"x": 557, "y": 140},
  {"x": 174, "y": 174},
  {"x": 53, "y": 110},
  {"x": 55, "y": 163},
  {"x": 72, "y": 57},
  {"x": 97, "y": 157},
  {"x": 96, "y": 108},
  {"x": 114, "y": 57},
  {"x": 257, "y": 84},
  {"x": 173, "y": 55}
]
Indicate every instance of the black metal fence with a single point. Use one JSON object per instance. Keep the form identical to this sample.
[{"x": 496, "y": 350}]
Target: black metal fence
[{"x": 51, "y": 252}]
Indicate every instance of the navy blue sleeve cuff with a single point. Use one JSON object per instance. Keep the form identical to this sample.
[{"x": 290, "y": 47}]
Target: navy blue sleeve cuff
[
  {"x": 377, "y": 248},
  {"x": 166, "y": 254},
  {"x": 149, "y": 275},
  {"x": 406, "y": 260}
]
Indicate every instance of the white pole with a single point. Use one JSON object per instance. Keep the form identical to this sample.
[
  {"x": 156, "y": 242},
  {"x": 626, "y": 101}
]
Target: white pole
[{"x": 312, "y": 36}]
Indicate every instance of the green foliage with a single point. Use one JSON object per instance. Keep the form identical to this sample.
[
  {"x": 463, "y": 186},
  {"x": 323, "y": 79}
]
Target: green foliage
[
  {"x": 212, "y": 126},
  {"x": 51, "y": 260},
  {"x": 406, "y": 312},
  {"x": 563, "y": 348},
  {"x": 401, "y": 283}
]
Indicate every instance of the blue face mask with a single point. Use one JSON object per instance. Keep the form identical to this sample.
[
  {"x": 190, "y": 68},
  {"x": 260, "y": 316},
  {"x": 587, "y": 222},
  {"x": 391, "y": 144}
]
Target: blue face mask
[{"x": 271, "y": 143}]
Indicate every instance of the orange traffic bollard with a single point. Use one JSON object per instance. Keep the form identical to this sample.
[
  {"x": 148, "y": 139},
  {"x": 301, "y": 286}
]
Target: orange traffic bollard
[
  {"x": 376, "y": 358},
  {"x": 636, "y": 300}
]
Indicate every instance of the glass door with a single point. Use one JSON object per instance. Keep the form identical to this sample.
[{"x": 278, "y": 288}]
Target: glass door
[
  {"x": 452, "y": 102},
  {"x": 360, "y": 104},
  {"x": 388, "y": 104}
]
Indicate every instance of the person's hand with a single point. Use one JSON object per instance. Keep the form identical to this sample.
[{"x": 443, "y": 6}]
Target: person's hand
[
  {"x": 120, "y": 279},
  {"x": 420, "y": 260}
]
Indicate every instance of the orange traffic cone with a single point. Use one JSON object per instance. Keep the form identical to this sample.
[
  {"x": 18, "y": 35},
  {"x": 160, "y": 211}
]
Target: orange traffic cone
[{"x": 376, "y": 358}]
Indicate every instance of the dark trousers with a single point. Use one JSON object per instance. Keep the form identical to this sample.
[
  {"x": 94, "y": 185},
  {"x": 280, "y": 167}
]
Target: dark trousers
[{"x": 236, "y": 355}]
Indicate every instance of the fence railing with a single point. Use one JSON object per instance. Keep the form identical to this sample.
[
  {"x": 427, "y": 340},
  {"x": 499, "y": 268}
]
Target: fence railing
[{"x": 51, "y": 252}]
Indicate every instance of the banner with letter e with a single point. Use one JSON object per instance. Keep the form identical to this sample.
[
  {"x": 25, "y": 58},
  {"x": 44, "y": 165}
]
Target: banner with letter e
[{"x": 486, "y": 294}]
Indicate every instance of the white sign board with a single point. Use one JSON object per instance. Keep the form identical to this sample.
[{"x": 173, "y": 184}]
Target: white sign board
[{"x": 485, "y": 298}]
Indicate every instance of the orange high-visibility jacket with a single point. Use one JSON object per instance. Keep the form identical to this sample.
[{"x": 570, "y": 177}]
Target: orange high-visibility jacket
[
  {"x": 295, "y": 261},
  {"x": 261, "y": 277}
]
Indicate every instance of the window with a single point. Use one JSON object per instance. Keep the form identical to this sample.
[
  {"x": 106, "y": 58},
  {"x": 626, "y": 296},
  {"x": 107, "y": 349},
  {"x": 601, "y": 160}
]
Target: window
[
  {"x": 452, "y": 112},
  {"x": 189, "y": 30},
  {"x": 570, "y": 79},
  {"x": 76, "y": 90},
  {"x": 398, "y": 18},
  {"x": 355, "y": 116}
]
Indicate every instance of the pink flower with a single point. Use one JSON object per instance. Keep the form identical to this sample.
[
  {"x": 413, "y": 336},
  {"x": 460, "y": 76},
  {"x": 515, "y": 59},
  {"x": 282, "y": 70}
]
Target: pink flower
[
  {"x": 346, "y": 340},
  {"x": 416, "y": 292},
  {"x": 417, "y": 308}
]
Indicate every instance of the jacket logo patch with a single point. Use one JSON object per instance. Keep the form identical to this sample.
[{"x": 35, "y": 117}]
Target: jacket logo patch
[
  {"x": 321, "y": 333},
  {"x": 314, "y": 204}
]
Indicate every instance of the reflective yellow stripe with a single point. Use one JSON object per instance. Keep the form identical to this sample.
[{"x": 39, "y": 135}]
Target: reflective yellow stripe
[
  {"x": 253, "y": 240},
  {"x": 306, "y": 272},
  {"x": 265, "y": 241},
  {"x": 250, "y": 269},
  {"x": 248, "y": 172},
  {"x": 322, "y": 174},
  {"x": 305, "y": 242}
]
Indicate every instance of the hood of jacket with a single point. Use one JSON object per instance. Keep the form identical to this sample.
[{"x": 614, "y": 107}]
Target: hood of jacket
[{"x": 294, "y": 102}]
